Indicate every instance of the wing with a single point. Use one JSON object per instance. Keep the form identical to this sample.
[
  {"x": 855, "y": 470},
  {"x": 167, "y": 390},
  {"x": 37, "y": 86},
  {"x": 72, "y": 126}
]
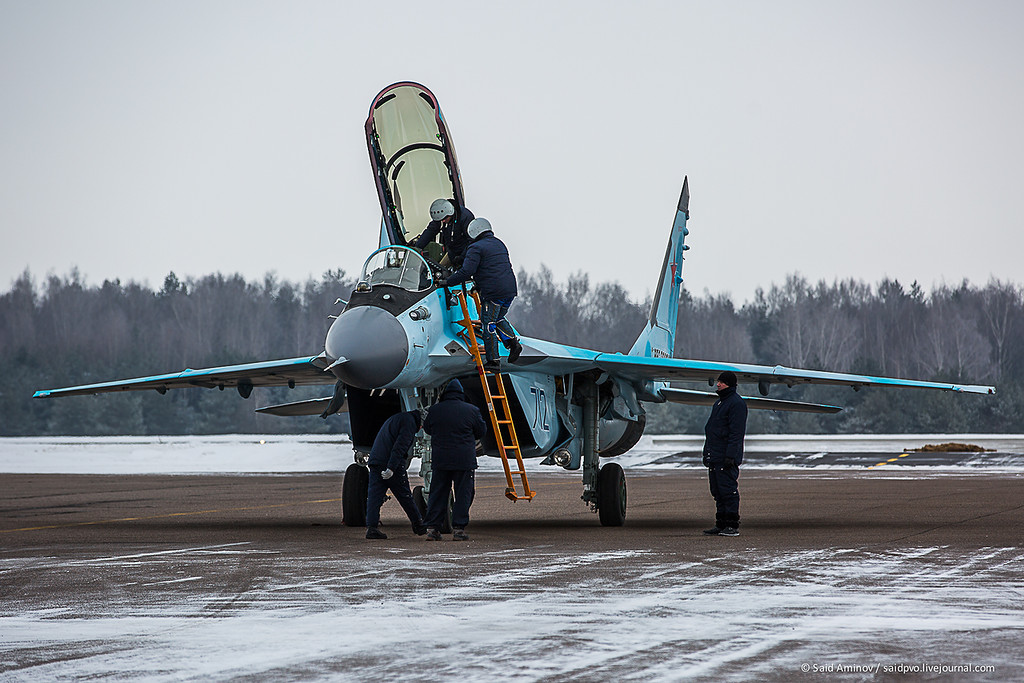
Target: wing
[
  {"x": 540, "y": 355},
  {"x": 704, "y": 398},
  {"x": 640, "y": 370},
  {"x": 307, "y": 370}
]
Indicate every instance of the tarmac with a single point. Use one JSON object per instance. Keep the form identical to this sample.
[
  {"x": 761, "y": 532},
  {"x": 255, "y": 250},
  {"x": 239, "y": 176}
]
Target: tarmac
[
  {"x": 256, "y": 577},
  {"x": 781, "y": 510}
]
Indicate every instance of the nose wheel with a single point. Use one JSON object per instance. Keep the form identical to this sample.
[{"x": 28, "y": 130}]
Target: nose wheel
[{"x": 420, "y": 498}]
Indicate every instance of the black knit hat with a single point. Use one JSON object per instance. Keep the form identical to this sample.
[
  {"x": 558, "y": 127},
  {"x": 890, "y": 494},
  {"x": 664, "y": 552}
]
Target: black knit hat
[{"x": 728, "y": 377}]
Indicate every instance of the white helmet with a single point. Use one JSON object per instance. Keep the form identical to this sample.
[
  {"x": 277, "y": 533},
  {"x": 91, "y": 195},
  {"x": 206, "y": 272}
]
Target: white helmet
[
  {"x": 477, "y": 227},
  {"x": 441, "y": 208}
]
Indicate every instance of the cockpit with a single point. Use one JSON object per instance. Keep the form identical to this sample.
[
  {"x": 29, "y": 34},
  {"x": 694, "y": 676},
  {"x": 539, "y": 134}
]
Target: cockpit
[{"x": 396, "y": 266}]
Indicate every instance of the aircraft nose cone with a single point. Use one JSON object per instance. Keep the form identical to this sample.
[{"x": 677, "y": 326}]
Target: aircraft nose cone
[{"x": 373, "y": 341}]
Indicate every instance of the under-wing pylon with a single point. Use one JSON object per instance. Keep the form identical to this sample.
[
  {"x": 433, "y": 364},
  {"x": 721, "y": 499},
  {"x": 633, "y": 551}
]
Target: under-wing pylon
[{"x": 401, "y": 338}]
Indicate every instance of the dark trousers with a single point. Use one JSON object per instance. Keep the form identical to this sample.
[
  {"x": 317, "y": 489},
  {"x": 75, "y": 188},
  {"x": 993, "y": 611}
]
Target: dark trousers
[
  {"x": 492, "y": 319},
  {"x": 398, "y": 484},
  {"x": 441, "y": 484},
  {"x": 725, "y": 491}
]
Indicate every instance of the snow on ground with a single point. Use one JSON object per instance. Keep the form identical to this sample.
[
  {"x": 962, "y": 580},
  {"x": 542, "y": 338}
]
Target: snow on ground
[
  {"x": 730, "y": 616},
  {"x": 236, "y": 453}
]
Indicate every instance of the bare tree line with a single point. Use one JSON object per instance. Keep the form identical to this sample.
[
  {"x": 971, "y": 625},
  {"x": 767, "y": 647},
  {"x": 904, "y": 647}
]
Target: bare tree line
[{"x": 64, "y": 332}]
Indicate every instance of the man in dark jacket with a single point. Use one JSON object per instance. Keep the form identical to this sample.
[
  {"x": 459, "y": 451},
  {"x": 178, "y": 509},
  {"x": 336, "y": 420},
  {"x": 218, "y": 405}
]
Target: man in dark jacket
[
  {"x": 450, "y": 219},
  {"x": 487, "y": 262},
  {"x": 454, "y": 427},
  {"x": 387, "y": 463},
  {"x": 723, "y": 453}
]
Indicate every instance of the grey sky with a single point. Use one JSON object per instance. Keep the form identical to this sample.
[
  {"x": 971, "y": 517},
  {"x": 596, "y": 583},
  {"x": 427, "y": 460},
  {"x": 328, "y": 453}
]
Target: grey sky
[{"x": 840, "y": 139}]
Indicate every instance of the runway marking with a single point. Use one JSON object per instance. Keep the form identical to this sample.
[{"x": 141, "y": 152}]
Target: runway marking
[
  {"x": 886, "y": 462},
  {"x": 169, "y": 514}
]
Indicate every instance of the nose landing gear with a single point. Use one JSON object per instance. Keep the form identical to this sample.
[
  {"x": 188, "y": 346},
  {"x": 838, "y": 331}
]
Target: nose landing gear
[{"x": 353, "y": 495}]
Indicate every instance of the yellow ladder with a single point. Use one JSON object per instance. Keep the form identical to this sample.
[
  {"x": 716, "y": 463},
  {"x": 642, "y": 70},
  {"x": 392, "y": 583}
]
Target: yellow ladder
[{"x": 501, "y": 420}]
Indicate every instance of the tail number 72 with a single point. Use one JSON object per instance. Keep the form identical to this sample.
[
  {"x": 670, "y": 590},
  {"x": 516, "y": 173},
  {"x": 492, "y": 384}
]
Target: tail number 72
[{"x": 540, "y": 410}]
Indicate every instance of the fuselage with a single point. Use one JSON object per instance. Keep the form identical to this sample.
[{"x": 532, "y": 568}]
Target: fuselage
[{"x": 399, "y": 331}]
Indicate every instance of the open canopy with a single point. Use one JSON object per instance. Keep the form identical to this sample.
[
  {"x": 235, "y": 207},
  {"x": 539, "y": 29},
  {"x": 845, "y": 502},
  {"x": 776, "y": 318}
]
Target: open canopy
[{"x": 412, "y": 157}]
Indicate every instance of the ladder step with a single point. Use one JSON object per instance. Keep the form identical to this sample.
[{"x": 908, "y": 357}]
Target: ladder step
[{"x": 495, "y": 394}]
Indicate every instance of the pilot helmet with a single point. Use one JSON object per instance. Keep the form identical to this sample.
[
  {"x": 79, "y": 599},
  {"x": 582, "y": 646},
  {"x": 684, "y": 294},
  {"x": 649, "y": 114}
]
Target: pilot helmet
[
  {"x": 441, "y": 209},
  {"x": 477, "y": 227}
]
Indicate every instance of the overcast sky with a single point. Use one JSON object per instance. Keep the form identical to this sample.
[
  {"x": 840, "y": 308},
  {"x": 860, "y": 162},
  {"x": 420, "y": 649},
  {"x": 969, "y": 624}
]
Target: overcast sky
[{"x": 834, "y": 139}]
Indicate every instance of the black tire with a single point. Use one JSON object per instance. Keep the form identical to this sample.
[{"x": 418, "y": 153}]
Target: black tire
[
  {"x": 611, "y": 495},
  {"x": 420, "y": 500},
  {"x": 353, "y": 495},
  {"x": 421, "y": 504}
]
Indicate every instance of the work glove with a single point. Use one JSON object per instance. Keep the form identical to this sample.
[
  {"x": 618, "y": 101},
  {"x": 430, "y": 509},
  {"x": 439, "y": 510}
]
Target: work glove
[
  {"x": 386, "y": 474},
  {"x": 441, "y": 282}
]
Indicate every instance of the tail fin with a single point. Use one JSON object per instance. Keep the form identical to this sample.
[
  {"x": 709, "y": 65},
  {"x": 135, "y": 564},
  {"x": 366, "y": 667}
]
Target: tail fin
[{"x": 658, "y": 336}]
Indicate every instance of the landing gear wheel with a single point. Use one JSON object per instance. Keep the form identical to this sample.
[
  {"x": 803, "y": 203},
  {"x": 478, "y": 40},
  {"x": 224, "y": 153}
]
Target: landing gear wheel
[
  {"x": 421, "y": 505},
  {"x": 420, "y": 500},
  {"x": 353, "y": 495},
  {"x": 611, "y": 495}
]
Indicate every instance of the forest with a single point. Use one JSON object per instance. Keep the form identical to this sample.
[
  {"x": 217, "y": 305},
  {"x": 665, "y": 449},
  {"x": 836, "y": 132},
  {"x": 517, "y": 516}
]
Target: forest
[{"x": 62, "y": 331}]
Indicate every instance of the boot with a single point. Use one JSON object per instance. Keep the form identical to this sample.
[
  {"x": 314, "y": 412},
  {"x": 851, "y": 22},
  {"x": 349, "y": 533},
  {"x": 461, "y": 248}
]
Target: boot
[{"x": 514, "y": 351}]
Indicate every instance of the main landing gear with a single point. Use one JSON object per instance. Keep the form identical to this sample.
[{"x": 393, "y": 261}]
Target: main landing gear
[
  {"x": 605, "y": 488},
  {"x": 611, "y": 495}
]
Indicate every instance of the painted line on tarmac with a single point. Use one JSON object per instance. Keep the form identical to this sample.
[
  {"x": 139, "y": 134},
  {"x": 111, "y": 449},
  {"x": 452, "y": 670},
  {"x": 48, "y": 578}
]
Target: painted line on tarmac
[
  {"x": 168, "y": 515},
  {"x": 890, "y": 460}
]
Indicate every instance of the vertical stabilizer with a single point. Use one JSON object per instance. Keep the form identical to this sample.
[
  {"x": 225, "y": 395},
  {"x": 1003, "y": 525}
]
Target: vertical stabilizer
[{"x": 658, "y": 336}]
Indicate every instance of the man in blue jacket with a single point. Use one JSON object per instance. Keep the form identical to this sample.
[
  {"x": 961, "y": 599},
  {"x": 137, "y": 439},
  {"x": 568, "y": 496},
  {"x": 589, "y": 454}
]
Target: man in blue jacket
[
  {"x": 450, "y": 219},
  {"x": 723, "y": 453},
  {"x": 454, "y": 427},
  {"x": 387, "y": 463},
  {"x": 487, "y": 262}
]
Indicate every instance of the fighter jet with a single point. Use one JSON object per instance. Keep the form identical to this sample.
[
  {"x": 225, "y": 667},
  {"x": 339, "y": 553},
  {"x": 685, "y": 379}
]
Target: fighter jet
[{"x": 401, "y": 338}]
